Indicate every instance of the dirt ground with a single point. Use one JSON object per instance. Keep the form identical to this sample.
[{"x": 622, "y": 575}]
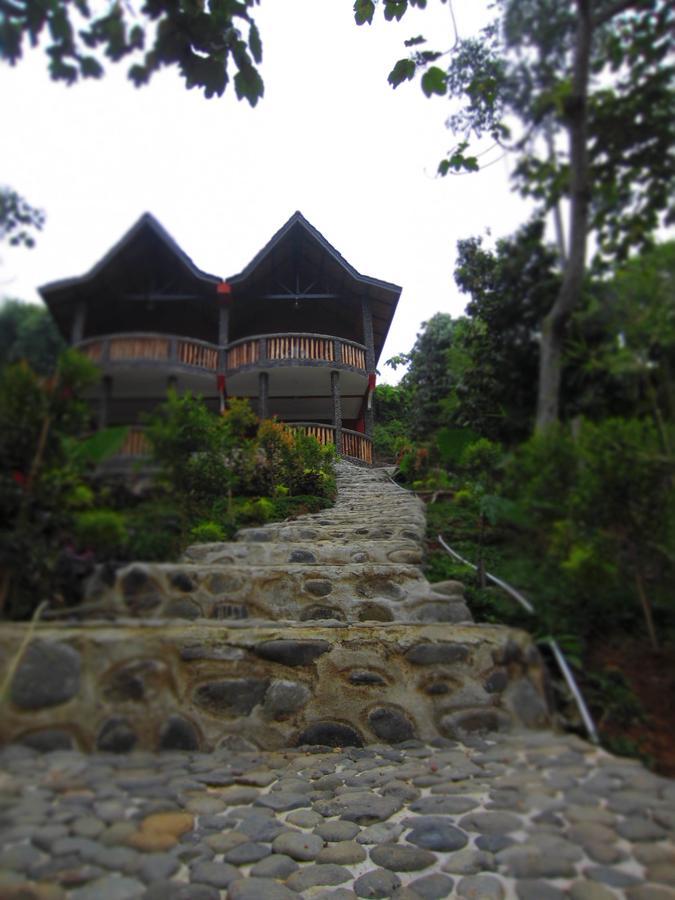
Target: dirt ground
[{"x": 652, "y": 678}]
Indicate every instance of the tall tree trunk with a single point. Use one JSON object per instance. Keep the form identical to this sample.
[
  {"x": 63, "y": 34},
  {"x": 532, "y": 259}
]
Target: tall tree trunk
[{"x": 553, "y": 326}]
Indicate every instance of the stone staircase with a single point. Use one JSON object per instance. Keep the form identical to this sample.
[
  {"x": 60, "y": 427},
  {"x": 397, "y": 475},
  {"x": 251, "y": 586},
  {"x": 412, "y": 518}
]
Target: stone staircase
[{"x": 321, "y": 630}]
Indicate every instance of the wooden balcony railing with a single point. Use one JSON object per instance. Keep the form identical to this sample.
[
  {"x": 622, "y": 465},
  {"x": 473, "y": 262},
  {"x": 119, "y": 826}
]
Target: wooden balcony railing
[
  {"x": 357, "y": 445},
  {"x": 246, "y": 353},
  {"x": 151, "y": 348},
  {"x": 324, "y": 434},
  {"x": 135, "y": 444},
  {"x": 354, "y": 444},
  {"x": 302, "y": 348}
]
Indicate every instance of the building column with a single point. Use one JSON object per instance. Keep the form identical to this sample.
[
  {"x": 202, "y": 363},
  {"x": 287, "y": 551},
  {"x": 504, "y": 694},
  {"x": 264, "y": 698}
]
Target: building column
[
  {"x": 263, "y": 395},
  {"x": 171, "y": 383},
  {"x": 337, "y": 409},
  {"x": 369, "y": 341},
  {"x": 77, "y": 330},
  {"x": 104, "y": 401}
]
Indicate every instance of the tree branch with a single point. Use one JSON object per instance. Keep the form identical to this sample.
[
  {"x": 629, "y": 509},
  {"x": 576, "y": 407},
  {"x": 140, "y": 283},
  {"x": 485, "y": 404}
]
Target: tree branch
[{"x": 615, "y": 9}]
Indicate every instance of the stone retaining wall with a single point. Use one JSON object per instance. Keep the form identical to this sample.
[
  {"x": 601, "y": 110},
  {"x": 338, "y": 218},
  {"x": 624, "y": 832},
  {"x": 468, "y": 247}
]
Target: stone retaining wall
[{"x": 201, "y": 685}]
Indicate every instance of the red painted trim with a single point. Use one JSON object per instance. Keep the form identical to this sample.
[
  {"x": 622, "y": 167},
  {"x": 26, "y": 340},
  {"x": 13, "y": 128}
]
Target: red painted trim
[{"x": 372, "y": 380}]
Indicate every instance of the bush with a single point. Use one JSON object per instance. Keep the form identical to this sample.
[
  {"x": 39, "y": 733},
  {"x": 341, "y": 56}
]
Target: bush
[
  {"x": 207, "y": 533},
  {"x": 102, "y": 530}
]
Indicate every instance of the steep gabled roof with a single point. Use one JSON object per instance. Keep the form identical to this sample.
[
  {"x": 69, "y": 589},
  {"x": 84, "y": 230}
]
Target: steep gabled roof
[
  {"x": 297, "y": 219},
  {"x": 146, "y": 223}
]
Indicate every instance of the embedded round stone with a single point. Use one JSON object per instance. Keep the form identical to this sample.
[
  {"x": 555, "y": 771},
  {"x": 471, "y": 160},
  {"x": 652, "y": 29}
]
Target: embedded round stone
[
  {"x": 47, "y": 739},
  {"x": 466, "y": 722},
  {"x": 342, "y": 853},
  {"x": 182, "y": 608},
  {"x": 285, "y": 697},
  {"x": 391, "y": 725},
  {"x": 318, "y": 588},
  {"x": 178, "y": 733},
  {"x": 491, "y": 822},
  {"x": 302, "y": 556},
  {"x": 259, "y": 889},
  {"x": 311, "y": 876},
  {"x": 525, "y": 701},
  {"x": 215, "y": 874},
  {"x": 297, "y": 845},
  {"x": 365, "y": 808},
  {"x": 231, "y": 696},
  {"x": 432, "y": 887},
  {"x": 276, "y": 866},
  {"x": 402, "y": 858},
  {"x": 365, "y": 677},
  {"x": 48, "y": 674},
  {"x": 292, "y": 653},
  {"x": 436, "y": 833},
  {"x": 378, "y": 883},
  {"x": 496, "y": 681},
  {"x": 183, "y": 582},
  {"x": 330, "y": 734},
  {"x": 337, "y": 830},
  {"x": 110, "y": 887},
  {"x": 374, "y": 612},
  {"x": 116, "y": 736},
  {"x": 532, "y": 889},
  {"x": 480, "y": 887},
  {"x": 437, "y": 653},
  {"x": 243, "y": 854}
]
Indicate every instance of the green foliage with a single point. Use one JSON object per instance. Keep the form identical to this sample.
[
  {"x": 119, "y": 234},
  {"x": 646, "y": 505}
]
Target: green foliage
[
  {"x": 453, "y": 442},
  {"x": 28, "y": 332},
  {"x": 428, "y": 379},
  {"x": 207, "y": 533},
  {"x": 18, "y": 219},
  {"x": 234, "y": 469},
  {"x": 103, "y": 531},
  {"x": 38, "y": 480},
  {"x": 389, "y": 440},
  {"x": 511, "y": 288},
  {"x": 155, "y": 528},
  {"x": 201, "y": 42}
]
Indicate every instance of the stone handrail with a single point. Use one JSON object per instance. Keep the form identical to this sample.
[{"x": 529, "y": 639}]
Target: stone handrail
[
  {"x": 150, "y": 348},
  {"x": 302, "y": 347}
]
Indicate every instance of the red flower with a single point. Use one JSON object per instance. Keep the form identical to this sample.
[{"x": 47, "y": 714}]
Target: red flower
[{"x": 19, "y": 477}]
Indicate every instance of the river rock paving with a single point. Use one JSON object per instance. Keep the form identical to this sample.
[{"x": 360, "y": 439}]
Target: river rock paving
[{"x": 526, "y": 815}]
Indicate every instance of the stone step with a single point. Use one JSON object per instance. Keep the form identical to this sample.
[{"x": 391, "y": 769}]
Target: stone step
[
  {"x": 307, "y": 553},
  {"x": 144, "y": 685},
  {"x": 352, "y": 592},
  {"x": 298, "y": 531}
]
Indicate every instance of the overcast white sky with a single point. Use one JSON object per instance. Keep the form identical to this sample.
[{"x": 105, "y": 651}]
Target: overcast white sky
[{"x": 330, "y": 138}]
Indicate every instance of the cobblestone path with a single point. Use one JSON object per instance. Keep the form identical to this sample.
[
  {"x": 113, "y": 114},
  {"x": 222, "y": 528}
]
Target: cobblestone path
[{"x": 525, "y": 813}]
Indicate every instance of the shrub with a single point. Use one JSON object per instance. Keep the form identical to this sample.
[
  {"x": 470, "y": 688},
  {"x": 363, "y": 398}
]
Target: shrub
[
  {"x": 207, "y": 533},
  {"x": 102, "y": 530}
]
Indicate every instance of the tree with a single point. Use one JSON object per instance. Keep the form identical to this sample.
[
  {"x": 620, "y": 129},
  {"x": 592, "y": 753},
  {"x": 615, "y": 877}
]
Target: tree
[
  {"x": 18, "y": 219},
  {"x": 428, "y": 379},
  {"x": 599, "y": 74},
  {"x": 28, "y": 332},
  {"x": 200, "y": 40},
  {"x": 510, "y": 289}
]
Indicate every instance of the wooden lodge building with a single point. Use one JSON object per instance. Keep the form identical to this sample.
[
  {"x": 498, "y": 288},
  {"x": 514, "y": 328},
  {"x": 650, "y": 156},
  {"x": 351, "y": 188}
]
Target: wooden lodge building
[{"x": 298, "y": 332}]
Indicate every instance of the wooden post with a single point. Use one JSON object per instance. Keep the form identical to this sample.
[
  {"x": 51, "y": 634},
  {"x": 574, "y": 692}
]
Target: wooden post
[
  {"x": 263, "y": 394},
  {"x": 77, "y": 330},
  {"x": 104, "y": 401},
  {"x": 368, "y": 338},
  {"x": 337, "y": 409}
]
